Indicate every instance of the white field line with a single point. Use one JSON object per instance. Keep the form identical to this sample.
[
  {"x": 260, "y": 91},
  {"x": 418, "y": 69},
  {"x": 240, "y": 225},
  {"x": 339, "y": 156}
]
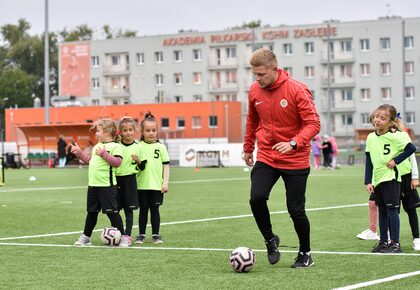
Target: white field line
[
  {"x": 379, "y": 281},
  {"x": 172, "y": 182},
  {"x": 186, "y": 221},
  {"x": 199, "y": 249}
]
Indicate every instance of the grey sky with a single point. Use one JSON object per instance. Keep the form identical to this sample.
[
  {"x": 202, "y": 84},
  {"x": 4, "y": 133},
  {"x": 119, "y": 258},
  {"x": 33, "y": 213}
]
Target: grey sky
[{"x": 168, "y": 16}]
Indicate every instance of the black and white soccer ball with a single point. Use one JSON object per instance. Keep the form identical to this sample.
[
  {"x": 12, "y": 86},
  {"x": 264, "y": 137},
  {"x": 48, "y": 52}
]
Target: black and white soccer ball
[
  {"x": 110, "y": 236},
  {"x": 242, "y": 259}
]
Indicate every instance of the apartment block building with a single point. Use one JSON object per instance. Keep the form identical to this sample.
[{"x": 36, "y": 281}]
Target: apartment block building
[{"x": 350, "y": 67}]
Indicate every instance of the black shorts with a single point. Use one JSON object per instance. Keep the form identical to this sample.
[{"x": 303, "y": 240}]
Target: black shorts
[
  {"x": 127, "y": 192},
  {"x": 104, "y": 198},
  {"x": 409, "y": 197},
  {"x": 150, "y": 198},
  {"x": 372, "y": 196},
  {"x": 388, "y": 193}
]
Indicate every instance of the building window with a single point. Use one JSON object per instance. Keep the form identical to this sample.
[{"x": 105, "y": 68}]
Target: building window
[
  {"x": 197, "y": 55},
  {"x": 159, "y": 79},
  {"x": 178, "y": 99},
  {"x": 409, "y": 92},
  {"x": 95, "y": 102},
  {"x": 158, "y": 56},
  {"x": 364, "y": 45},
  {"x": 366, "y": 119},
  {"x": 289, "y": 70},
  {"x": 140, "y": 58},
  {"x": 95, "y": 83},
  {"x": 346, "y": 45},
  {"x": 409, "y": 67},
  {"x": 213, "y": 121},
  {"x": 178, "y": 79},
  {"x": 385, "y": 43},
  {"x": 410, "y": 118},
  {"x": 347, "y": 119},
  {"x": 346, "y": 70},
  {"x": 197, "y": 78},
  {"x": 178, "y": 56},
  {"x": 115, "y": 59},
  {"x": 309, "y": 72},
  {"x": 365, "y": 69},
  {"x": 95, "y": 61},
  {"x": 196, "y": 122},
  {"x": 409, "y": 42},
  {"x": 385, "y": 68},
  {"x": 231, "y": 76},
  {"x": 115, "y": 83},
  {"x": 160, "y": 96},
  {"x": 386, "y": 93},
  {"x": 231, "y": 52},
  {"x": 197, "y": 98},
  {"x": 365, "y": 94},
  {"x": 115, "y": 102},
  {"x": 180, "y": 123},
  {"x": 346, "y": 95},
  {"x": 309, "y": 48},
  {"x": 287, "y": 49},
  {"x": 164, "y": 123}
]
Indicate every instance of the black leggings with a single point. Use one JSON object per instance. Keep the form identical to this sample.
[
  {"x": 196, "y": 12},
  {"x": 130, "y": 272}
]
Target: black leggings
[
  {"x": 154, "y": 218},
  {"x": 263, "y": 178},
  {"x": 92, "y": 218}
]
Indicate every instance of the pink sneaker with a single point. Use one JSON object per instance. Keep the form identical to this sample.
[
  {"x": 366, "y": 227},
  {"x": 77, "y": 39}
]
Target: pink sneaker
[{"x": 125, "y": 241}]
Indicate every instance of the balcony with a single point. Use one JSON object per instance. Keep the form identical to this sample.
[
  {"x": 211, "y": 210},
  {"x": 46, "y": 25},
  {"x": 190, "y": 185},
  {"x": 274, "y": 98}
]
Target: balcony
[
  {"x": 116, "y": 93},
  {"x": 338, "y": 105},
  {"x": 215, "y": 63},
  {"x": 113, "y": 70},
  {"x": 337, "y": 57},
  {"x": 222, "y": 87},
  {"x": 338, "y": 82}
]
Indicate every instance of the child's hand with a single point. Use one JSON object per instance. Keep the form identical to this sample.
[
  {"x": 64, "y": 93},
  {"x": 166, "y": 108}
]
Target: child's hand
[
  {"x": 370, "y": 188},
  {"x": 164, "y": 188},
  {"x": 75, "y": 149},
  {"x": 414, "y": 183},
  {"x": 135, "y": 158},
  {"x": 100, "y": 151},
  {"x": 391, "y": 164}
]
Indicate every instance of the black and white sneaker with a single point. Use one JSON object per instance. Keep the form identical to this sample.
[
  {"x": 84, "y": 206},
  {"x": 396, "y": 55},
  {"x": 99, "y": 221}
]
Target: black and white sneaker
[
  {"x": 381, "y": 247},
  {"x": 303, "y": 261},
  {"x": 394, "y": 247},
  {"x": 273, "y": 253}
]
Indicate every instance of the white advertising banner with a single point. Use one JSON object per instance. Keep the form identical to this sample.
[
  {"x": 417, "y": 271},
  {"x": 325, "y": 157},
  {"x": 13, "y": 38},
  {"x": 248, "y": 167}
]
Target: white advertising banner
[{"x": 230, "y": 153}]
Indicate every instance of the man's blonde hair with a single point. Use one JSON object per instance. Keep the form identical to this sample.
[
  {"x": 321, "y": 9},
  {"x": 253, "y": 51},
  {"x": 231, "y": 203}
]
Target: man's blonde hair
[{"x": 263, "y": 57}]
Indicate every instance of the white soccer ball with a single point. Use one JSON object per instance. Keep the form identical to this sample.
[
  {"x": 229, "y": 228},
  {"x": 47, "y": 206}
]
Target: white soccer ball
[
  {"x": 242, "y": 259},
  {"x": 110, "y": 236}
]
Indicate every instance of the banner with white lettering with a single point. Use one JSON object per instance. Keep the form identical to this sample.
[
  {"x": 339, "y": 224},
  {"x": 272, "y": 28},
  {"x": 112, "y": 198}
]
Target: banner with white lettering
[{"x": 231, "y": 154}]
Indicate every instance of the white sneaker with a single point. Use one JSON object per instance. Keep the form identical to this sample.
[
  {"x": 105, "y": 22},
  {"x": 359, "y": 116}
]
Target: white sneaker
[
  {"x": 125, "y": 241},
  {"x": 416, "y": 244},
  {"x": 83, "y": 241},
  {"x": 156, "y": 239},
  {"x": 368, "y": 235}
]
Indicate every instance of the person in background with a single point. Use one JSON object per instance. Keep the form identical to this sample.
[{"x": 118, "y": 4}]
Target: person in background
[
  {"x": 327, "y": 152},
  {"x": 334, "y": 154},
  {"x": 282, "y": 118},
  {"x": 61, "y": 151},
  {"x": 316, "y": 151}
]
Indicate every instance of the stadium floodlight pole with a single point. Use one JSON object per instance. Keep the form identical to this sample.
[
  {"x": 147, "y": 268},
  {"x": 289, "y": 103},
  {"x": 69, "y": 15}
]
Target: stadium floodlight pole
[
  {"x": 328, "y": 79},
  {"x": 46, "y": 69},
  {"x": 403, "y": 72}
]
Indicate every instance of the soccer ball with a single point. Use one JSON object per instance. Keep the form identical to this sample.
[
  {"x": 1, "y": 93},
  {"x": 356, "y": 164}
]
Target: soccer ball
[
  {"x": 110, "y": 236},
  {"x": 242, "y": 259}
]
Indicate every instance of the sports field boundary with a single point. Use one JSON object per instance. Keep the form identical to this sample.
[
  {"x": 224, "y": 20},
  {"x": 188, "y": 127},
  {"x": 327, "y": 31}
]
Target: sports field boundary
[
  {"x": 379, "y": 281},
  {"x": 187, "y": 221}
]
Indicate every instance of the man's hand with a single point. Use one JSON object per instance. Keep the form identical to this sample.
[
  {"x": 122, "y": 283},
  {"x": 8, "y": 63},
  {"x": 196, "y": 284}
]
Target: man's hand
[
  {"x": 249, "y": 159},
  {"x": 283, "y": 147}
]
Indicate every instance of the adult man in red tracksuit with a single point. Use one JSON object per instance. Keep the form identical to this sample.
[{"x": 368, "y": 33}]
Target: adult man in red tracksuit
[{"x": 282, "y": 118}]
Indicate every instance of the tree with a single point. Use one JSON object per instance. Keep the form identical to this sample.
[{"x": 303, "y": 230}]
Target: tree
[
  {"x": 251, "y": 24},
  {"x": 80, "y": 33},
  {"x": 109, "y": 33}
]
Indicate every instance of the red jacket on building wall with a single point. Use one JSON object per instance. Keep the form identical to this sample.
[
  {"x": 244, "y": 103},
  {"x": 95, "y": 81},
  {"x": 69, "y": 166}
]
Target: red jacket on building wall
[{"x": 281, "y": 112}]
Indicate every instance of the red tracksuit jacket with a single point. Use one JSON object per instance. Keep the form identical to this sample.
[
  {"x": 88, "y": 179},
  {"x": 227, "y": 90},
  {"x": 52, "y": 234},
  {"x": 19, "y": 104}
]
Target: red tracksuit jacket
[{"x": 280, "y": 113}]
